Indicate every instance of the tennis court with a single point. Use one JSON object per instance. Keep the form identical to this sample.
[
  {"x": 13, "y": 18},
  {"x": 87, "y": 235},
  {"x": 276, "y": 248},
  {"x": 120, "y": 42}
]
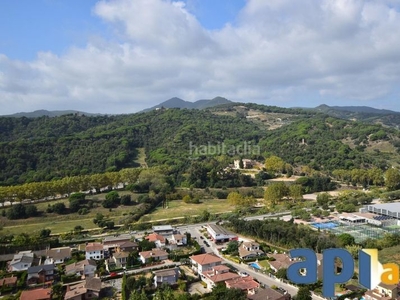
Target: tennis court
[
  {"x": 326, "y": 225},
  {"x": 360, "y": 232}
]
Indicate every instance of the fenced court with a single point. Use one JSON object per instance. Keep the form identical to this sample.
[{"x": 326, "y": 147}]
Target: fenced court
[{"x": 360, "y": 232}]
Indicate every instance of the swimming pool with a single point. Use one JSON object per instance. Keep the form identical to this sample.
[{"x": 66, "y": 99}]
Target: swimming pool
[
  {"x": 255, "y": 265},
  {"x": 326, "y": 225}
]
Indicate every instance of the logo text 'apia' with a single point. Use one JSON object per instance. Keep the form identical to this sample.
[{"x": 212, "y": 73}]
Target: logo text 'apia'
[{"x": 371, "y": 272}]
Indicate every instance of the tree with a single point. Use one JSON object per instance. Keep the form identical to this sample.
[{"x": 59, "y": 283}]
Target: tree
[
  {"x": 221, "y": 292},
  {"x": 59, "y": 208},
  {"x": 274, "y": 164},
  {"x": 232, "y": 247},
  {"x": 126, "y": 200},
  {"x": 145, "y": 245},
  {"x": 281, "y": 273},
  {"x": 110, "y": 224},
  {"x": 31, "y": 211},
  {"x": 296, "y": 192},
  {"x": 346, "y": 239},
  {"x": 323, "y": 199},
  {"x": 44, "y": 233},
  {"x": 205, "y": 215},
  {"x": 108, "y": 203},
  {"x": 275, "y": 192},
  {"x": 113, "y": 197},
  {"x": 135, "y": 295},
  {"x": 392, "y": 179},
  {"x": 235, "y": 199},
  {"x": 78, "y": 229},
  {"x": 303, "y": 293},
  {"x": 353, "y": 249},
  {"x": 16, "y": 212}
]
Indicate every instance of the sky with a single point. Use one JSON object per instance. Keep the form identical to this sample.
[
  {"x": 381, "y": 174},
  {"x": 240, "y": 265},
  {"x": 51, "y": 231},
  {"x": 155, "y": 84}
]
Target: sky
[{"x": 122, "y": 56}]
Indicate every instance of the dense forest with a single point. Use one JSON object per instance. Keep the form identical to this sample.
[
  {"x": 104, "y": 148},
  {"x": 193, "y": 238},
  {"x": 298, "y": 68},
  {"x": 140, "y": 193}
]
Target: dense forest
[{"x": 44, "y": 149}]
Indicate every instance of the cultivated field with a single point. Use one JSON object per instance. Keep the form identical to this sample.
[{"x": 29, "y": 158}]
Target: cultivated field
[{"x": 178, "y": 208}]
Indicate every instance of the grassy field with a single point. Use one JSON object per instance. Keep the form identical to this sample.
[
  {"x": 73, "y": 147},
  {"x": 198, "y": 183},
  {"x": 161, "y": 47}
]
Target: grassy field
[
  {"x": 264, "y": 264},
  {"x": 178, "y": 208},
  {"x": 64, "y": 223}
]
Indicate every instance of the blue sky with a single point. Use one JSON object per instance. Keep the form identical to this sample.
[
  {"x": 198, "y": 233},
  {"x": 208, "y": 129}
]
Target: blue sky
[
  {"x": 121, "y": 56},
  {"x": 56, "y": 25}
]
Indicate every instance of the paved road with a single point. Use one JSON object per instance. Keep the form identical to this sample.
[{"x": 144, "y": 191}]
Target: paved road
[{"x": 261, "y": 277}]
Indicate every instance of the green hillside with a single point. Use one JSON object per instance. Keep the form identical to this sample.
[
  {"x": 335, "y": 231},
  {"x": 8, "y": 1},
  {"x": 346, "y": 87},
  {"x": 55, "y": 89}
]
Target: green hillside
[{"x": 37, "y": 149}]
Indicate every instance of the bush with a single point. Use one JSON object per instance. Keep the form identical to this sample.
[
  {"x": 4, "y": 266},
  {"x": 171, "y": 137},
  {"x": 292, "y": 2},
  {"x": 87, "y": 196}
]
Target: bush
[
  {"x": 16, "y": 212},
  {"x": 221, "y": 194},
  {"x": 126, "y": 200},
  {"x": 59, "y": 208}
]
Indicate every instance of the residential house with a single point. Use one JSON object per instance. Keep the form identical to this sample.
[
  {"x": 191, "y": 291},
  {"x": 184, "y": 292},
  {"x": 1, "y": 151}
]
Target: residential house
[
  {"x": 218, "y": 274},
  {"x": 158, "y": 239},
  {"x": 153, "y": 255},
  {"x": 21, "y": 261},
  {"x": 127, "y": 247},
  {"x": 8, "y": 281},
  {"x": 168, "y": 276},
  {"x": 250, "y": 250},
  {"x": 94, "y": 251},
  {"x": 40, "y": 274},
  {"x": 37, "y": 294},
  {"x": 204, "y": 262},
  {"x": 121, "y": 259},
  {"x": 247, "y": 163},
  {"x": 111, "y": 243},
  {"x": 58, "y": 255},
  {"x": 382, "y": 292},
  {"x": 85, "y": 268},
  {"x": 88, "y": 289},
  {"x": 282, "y": 260},
  {"x": 267, "y": 293},
  {"x": 246, "y": 284},
  {"x": 115, "y": 240},
  {"x": 178, "y": 239}
]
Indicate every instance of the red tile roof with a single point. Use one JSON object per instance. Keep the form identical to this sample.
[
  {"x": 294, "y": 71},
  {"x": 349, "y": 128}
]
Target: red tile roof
[
  {"x": 8, "y": 281},
  {"x": 38, "y": 294},
  {"x": 205, "y": 259},
  {"x": 94, "y": 247},
  {"x": 243, "y": 283},
  {"x": 155, "y": 237},
  {"x": 153, "y": 253},
  {"x": 221, "y": 277}
]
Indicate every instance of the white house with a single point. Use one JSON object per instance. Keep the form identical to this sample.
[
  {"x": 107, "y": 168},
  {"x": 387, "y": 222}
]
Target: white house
[
  {"x": 155, "y": 255},
  {"x": 204, "y": 262},
  {"x": 94, "y": 251},
  {"x": 85, "y": 268},
  {"x": 168, "y": 276},
  {"x": 21, "y": 261},
  {"x": 58, "y": 255},
  {"x": 250, "y": 250}
]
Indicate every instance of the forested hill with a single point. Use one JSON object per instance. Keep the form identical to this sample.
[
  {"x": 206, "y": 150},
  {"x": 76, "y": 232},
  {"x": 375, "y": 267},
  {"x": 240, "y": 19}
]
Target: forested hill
[
  {"x": 36, "y": 149},
  {"x": 362, "y": 113}
]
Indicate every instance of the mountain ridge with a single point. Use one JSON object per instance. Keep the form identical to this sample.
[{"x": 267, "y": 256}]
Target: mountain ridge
[
  {"x": 49, "y": 113},
  {"x": 176, "y": 102}
]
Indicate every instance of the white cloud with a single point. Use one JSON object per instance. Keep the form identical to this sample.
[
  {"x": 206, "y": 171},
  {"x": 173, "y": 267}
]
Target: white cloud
[{"x": 277, "y": 50}]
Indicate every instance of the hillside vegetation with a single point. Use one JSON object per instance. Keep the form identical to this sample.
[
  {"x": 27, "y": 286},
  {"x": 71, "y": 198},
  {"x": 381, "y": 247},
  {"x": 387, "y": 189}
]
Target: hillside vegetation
[{"x": 38, "y": 149}]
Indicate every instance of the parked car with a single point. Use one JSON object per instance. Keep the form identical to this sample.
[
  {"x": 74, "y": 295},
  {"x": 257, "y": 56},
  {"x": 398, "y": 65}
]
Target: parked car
[{"x": 243, "y": 274}]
